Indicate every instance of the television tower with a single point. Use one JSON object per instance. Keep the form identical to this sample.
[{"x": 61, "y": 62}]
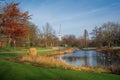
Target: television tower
[{"x": 60, "y": 33}]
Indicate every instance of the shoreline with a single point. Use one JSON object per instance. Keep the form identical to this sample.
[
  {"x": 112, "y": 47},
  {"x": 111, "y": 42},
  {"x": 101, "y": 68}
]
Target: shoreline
[{"x": 49, "y": 61}]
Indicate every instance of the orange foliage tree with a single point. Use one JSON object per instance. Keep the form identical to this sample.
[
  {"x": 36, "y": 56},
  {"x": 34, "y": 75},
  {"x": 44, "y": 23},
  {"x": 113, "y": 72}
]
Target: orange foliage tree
[{"x": 12, "y": 23}]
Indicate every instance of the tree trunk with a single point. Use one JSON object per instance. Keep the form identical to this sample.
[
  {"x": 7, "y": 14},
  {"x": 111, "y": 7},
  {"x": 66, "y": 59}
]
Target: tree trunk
[
  {"x": 46, "y": 44},
  {"x": 9, "y": 40}
]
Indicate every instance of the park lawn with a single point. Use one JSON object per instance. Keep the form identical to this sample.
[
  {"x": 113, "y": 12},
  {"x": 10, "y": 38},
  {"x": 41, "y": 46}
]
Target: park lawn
[{"x": 17, "y": 71}]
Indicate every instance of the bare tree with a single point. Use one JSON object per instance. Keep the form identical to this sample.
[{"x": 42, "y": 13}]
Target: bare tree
[
  {"x": 33, "y": 33},
  {"x": 49, "y": 35},
  {"x": 69, "y": 40},
  {"x": 107, "y": 34}
]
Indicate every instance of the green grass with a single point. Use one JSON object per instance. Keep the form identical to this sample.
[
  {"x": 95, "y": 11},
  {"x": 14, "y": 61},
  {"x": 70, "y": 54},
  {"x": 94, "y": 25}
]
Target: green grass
[
  {"x": 6, "y": 49},
  {"x": 41, "y": 48},
  {"x": 23, "y": 50},
  {"x": 89, "y": 48},
  {"x": 16, "y": 71},
  {"x": 116, "y": 48},
  {"x": 19, "y": 48},
  {"x": 47, "y": 52}
]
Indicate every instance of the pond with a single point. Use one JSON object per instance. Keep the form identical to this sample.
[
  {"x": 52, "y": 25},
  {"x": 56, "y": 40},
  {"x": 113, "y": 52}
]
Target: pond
[{"x": 87, "y": 58}]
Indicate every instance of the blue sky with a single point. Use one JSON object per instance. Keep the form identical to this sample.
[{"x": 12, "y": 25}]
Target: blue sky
[{"x": 73, "y": 15}]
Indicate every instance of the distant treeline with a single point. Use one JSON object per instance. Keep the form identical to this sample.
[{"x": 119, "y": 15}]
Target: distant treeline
[{"x": 17, "y": 30}]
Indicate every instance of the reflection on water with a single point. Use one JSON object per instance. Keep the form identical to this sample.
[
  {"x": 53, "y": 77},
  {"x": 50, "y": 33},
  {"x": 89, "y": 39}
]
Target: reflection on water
[{"x": 86, "y": 58}]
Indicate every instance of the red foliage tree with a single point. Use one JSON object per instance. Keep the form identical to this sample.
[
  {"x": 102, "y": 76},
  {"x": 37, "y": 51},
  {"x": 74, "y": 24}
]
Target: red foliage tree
[{"x": 13, "y": 22}]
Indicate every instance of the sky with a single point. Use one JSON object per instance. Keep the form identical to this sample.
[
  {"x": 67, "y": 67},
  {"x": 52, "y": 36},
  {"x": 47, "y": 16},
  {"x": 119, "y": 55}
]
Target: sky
[{"x": 74, "y": 15}]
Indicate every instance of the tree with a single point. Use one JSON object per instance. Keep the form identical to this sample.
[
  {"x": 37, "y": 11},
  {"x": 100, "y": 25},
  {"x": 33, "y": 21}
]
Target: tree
[
  {"x": 85, "y": 38},
  {"x": 48, "y": 35},
  {"x": 107, "y": 34},
  {"x": 80, "y": 43},
  {"x": 96, "y": 36},
  {"x": 33, "y": 33},
  {"x": 69, "y": 40},
  {"x": 12, "y": 22},
  {"x": 110, "y": 32}
]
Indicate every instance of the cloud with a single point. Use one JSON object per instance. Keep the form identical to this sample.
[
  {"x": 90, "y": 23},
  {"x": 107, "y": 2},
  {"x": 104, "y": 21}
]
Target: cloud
[{"x": 76, "y": 16}]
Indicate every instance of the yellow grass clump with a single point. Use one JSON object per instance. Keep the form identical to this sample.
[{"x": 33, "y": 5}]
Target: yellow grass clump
[{"x": 32, "y": 52}]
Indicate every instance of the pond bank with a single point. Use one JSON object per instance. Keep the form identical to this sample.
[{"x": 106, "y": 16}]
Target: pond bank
[
  {"x": 49, "y": 61},
  {"x": 113, "y": 55}
]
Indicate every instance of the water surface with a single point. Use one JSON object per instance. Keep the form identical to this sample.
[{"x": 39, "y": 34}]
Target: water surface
[{"x": 86, "y": 58}]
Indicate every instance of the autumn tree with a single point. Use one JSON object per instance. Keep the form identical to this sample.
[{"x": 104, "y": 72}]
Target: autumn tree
[{"x": 12, "y": 22}]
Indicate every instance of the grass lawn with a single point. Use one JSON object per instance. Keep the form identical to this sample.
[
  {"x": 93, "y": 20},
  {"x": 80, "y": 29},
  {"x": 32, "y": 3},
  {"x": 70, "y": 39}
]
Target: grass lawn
[{"x": 16, "y": 71}]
